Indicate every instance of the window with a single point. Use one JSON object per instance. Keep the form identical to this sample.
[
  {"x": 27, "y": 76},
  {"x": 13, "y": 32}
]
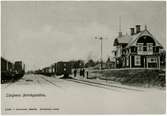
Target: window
[
  {"x": 140, "y": 47},
  {"x": 150, "y": 46},
  {"x": 127, "y": 61},
  {"x": 137, "y": 60},
  {"x": 115, "y": 53},
  {"x": 123, "y": 61}
]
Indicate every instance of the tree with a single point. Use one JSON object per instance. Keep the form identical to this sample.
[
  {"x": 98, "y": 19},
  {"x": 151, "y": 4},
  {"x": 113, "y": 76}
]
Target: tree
[{"x": 90, "y": 63}]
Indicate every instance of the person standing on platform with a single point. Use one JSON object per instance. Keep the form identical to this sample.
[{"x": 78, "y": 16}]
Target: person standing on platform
[
  {"x": 80, "y": 72},
  {"x": 75, "y": 73},
  {"x": 83, "y": 72}
]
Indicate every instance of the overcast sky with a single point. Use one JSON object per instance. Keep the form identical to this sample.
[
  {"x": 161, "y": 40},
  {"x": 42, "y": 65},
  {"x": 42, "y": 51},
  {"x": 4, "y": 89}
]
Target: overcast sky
[{"x": 41, "y": 33}]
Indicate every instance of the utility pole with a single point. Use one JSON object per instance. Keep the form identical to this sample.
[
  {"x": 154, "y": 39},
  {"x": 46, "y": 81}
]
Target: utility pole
[{"x": 101, "y": 58}]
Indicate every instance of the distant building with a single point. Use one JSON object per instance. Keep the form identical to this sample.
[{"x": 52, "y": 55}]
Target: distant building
[{"x": 140, "y": 49}]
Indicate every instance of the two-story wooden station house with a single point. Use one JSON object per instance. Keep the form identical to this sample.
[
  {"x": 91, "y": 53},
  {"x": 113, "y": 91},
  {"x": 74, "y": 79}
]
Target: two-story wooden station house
[{"x": 140, "y": 49}]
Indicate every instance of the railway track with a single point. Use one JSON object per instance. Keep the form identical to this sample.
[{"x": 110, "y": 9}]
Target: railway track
[
  {"x": 94, "y": 84},
  {"x": 11, "y": 82},
  {"x": 85, "y": 82},
  {"x": 76, "y": 81},
  {"x": 101, "y": 85},
  {"x": 52, "y": 83}
]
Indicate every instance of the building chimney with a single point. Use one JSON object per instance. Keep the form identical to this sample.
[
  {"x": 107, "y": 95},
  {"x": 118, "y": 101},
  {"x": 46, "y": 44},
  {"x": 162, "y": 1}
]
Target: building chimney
[
  {"x": 120, "y": 34},
  {"x": 137, "y": 28},
  {"x": 132, "y": 31}
]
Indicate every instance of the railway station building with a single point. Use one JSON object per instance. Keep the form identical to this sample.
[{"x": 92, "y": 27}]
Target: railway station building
[{"x": 139, "y": 49}]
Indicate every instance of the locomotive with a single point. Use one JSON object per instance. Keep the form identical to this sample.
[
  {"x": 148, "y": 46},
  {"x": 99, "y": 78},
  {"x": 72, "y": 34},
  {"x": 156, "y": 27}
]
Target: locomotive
[{"x": 11, "y": 71}]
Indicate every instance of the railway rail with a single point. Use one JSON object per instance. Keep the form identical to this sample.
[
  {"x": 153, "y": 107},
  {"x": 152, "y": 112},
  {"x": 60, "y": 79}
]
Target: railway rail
[
  {"x": 52, "y": 83},
  {"x": 101, "y": 85}
]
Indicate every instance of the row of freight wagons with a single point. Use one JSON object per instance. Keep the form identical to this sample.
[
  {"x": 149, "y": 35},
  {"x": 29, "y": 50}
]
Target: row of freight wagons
[
  {"x": 11, "y": 71},
  {"x": 59, "y": 68}
]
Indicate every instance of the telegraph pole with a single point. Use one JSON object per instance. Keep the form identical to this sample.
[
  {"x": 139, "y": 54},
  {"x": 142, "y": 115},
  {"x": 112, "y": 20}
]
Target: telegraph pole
[{"x": 101, "y": 58}]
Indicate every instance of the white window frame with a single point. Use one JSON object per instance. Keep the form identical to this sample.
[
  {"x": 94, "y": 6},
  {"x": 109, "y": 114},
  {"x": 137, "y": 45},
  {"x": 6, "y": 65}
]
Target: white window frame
[
  {"x": 141, "y": 47},
  {"x": 149, "y": 45},
  {"x": 127, "y": 61},
  {"x": 123, "y": 61},
  {"x": 137, "y": 60}
]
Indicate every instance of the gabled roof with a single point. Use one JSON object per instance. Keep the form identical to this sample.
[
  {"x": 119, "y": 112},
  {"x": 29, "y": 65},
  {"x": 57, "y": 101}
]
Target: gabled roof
[
  {"x": 137, "y": 36},
  {"x": 124, "y": 39},
  {"x": 134, "y": 37}
]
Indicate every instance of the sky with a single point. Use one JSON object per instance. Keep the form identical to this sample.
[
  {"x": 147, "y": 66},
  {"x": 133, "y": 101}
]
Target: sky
[{"x": 41, "y": 33}]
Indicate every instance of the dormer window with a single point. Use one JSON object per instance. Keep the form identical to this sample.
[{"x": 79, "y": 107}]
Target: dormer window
[
  {"x": 140, "y": 47},
  {"x": 150, "y": 46}
]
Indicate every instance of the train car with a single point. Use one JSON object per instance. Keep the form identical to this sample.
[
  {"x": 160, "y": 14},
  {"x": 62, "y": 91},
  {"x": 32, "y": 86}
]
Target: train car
[
  {"x": 40, "y": 71},
  {"x": 7, "y": 70},
  {"x": 48, "y": 71},
  {"x": 63, "y": 68},
  {"x": 19, "y": 69}
]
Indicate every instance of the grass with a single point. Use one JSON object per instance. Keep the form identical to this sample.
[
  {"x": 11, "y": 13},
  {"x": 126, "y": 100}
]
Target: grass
[{"x": 134, "y": 77}]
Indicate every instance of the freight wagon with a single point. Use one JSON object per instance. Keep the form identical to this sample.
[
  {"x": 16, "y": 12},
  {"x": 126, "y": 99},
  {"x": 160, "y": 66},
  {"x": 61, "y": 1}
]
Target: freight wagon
[
  {"x": 7, "y": 70},
  {"x": 63, "y": 68},
  {"x": 19, "y": 69}
]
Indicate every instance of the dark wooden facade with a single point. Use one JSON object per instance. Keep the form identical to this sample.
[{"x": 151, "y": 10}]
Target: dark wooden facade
[{"x": 138, "y": 50}]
